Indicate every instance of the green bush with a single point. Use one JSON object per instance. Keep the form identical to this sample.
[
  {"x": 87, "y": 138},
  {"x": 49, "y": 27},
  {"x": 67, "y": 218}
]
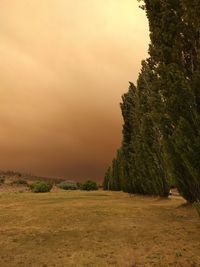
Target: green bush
[
  {"x": 67, "y": 185},
  {"x": 197, "y": 206},
  {"x": 20, "y": 181},
  {"x": 89, "y": 186},
  {"x": 40, "y": 187}
]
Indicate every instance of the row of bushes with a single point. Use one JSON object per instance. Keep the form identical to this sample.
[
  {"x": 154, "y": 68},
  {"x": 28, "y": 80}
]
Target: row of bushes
[
  {"x": 45, "y": 186},
  {"x": 41, "y": 186},
  {"x": 88, "y": 185}
]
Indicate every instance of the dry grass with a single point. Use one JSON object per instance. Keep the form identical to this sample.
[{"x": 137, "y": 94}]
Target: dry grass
[{"x": 96, "y": 229}]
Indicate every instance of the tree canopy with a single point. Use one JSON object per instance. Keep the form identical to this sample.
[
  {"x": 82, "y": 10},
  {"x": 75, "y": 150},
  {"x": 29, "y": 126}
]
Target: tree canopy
[{"x": 161, "y": 131}]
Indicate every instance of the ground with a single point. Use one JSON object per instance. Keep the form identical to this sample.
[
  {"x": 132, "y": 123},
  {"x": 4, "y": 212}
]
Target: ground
[{"x": 75, "y": 229}]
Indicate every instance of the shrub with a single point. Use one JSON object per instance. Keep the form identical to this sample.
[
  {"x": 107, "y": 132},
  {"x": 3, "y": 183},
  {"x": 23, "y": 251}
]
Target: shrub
[
  {"x": 197, "y": 206},
  {"x": 40, "y": 187},
  {"x": 20, "y": 182},
  {"x": 2, "y": 179},
  {"x": 89, "y": 186},
  {"x": 67, "y": 185}
]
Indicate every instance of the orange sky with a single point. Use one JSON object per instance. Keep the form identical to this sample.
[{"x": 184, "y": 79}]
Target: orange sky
[{"x": 64, "y": 66}]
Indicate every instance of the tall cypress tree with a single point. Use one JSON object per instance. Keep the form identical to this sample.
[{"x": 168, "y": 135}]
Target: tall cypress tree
[
  {"x": 151, "y": 169},
  {"x": 114, "y": 176},
  {"x": 130, "y": 126},
  {"x": 138, "y": 166},
  {"x": 174, "y": 58}
]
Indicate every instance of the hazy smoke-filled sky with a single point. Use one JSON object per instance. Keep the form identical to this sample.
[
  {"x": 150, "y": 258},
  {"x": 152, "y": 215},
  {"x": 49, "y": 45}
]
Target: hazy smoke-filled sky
[{"x": 64, "y": 66}]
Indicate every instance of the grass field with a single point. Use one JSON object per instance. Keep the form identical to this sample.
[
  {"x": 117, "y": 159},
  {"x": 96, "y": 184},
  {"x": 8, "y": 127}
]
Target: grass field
[{"x": 96, "y": 229}]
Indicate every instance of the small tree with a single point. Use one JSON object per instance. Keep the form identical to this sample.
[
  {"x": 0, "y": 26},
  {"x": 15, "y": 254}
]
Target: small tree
[
  {"x": 89, "y": 186},
  {"x": 40, "y": 187}
]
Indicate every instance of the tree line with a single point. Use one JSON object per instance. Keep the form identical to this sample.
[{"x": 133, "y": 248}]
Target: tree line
[{"x": 161, "y": 113}]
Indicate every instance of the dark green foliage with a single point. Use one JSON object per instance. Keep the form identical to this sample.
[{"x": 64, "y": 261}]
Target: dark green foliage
[
  {"x": 130, "y": 126},
  {"x": 89, "y": 186},
  {"x": 174, "y": 58},
  {"x": 114, "y": 176},
  {"x": 149, "y": 155},
  {"x": 40, "y": 187},
  {"x": 138, "y": 166},
  {"x": 68, "y": 185}
]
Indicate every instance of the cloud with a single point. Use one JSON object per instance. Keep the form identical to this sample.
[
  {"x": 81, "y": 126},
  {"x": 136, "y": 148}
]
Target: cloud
[{"x": 64, "y": 66}]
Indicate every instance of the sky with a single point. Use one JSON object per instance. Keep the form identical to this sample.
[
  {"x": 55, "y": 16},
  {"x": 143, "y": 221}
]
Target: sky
[{"x": 64, "y": 66}]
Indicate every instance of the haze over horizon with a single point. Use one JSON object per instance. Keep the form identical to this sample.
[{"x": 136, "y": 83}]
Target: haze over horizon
[{"x": 64, "y": 66}]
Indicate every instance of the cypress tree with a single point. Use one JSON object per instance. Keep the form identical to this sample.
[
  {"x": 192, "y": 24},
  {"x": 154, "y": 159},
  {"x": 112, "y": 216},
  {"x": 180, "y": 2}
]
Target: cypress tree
[
  {"x": 114, "y": 176},
  {"x": 174, "y": 51},
  {"x": 151, "y": 169},
  {"x": 128, "y": 108},
  {"x": 139, "y": 165}
]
